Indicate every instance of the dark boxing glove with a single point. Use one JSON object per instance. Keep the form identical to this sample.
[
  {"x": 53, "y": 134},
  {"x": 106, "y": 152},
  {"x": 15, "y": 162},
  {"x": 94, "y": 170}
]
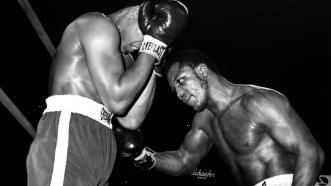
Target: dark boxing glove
[
  {"x": 146, "y": 159},
  {"x": 130, "y": 144},
  {"x": 161, "y": 22}
]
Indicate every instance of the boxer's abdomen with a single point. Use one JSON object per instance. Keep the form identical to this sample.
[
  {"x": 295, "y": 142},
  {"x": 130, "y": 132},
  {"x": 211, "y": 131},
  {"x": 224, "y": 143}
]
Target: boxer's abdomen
[{"x": 265, "y": 161}]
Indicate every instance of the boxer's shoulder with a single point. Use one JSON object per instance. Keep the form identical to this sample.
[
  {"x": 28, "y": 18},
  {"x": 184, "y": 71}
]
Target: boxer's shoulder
[
  {"x": 203, "y": 117},
  {"x": 92, "y": 27},
  {"x": 262, "y": 100},
  {"x": 93, "y": 21},
  {"x": 93, "y": 16},
  {"x": 260, "y": 95}
]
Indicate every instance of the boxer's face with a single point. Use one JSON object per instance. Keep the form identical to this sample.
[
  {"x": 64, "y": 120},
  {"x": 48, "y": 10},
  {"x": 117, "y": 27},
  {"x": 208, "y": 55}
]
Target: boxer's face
[
  {"x": 188, "y": 86},
  {"x": 131, "y": 36}
]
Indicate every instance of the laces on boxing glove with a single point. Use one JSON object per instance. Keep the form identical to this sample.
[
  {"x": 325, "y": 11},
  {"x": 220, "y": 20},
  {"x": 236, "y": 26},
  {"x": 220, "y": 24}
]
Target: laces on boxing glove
[
  {"x": 157, "y": 72},
  {"x": 145, "y": 160}
]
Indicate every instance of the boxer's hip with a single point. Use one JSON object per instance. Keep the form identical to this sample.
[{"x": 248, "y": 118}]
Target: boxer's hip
[
  {"x": 79, "y": 105},
  {"x": 279, "y": 180},
  {"x": 74, "y": 137}
]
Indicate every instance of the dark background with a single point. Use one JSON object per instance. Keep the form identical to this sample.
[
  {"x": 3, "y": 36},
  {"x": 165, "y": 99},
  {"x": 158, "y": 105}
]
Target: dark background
[{"x": 280, "y": 44}]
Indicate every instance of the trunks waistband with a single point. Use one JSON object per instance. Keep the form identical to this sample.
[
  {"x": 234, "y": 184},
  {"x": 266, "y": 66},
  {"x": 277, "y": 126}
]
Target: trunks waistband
[
  {"x": 283, "y": 180},
  {"x": 80, "y": 105}
]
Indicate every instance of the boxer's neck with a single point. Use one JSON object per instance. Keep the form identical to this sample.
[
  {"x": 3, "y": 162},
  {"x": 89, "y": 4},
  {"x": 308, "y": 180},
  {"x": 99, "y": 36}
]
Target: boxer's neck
[{"x": 221, "y": 93}]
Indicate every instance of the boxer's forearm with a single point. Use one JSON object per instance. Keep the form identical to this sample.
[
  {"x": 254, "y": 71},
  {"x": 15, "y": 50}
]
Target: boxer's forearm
[
  {"x": 171, "y": 163},
  {"x": 308, "y": 165},
  {"x": 136, "y": 115}
]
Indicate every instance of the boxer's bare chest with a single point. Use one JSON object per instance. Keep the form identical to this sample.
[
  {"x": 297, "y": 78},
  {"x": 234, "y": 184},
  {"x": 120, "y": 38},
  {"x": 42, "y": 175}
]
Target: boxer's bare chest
[{"x": 239, "y": 132}]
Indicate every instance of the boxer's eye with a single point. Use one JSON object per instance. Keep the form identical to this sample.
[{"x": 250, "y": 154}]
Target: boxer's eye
[
  {"x": 180, "y": 80},
  {"x": 177, "y": 82}
]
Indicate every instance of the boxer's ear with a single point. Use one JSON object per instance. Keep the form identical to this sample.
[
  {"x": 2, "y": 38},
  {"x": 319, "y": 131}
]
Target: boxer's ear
[
  {"x": 201, "y": 70},
  {"x": 134, "y": 13}
]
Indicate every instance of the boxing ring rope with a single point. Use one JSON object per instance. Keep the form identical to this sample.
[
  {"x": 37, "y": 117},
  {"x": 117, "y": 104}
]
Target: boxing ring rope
[
  {"x": 5, "y": 100},
  {"x": 37, "y": 26},
  {"x": 16, "y": 113}
]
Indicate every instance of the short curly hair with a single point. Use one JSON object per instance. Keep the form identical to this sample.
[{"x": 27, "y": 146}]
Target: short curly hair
[{"x": 191, "y": 58}]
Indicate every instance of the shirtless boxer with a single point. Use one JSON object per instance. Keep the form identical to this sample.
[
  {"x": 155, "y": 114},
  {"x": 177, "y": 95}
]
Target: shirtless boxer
[
  {"x": 255, "y": 129},
  {"x": 94, "y": 77}
]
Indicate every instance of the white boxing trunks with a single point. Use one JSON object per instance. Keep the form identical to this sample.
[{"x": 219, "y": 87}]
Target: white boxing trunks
[
  {"x": 280, "y": 180},
  {"x": 79, "y": 105}
]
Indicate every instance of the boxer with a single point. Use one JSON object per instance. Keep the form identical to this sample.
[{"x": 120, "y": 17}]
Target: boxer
[
  {"x": 93, "y": 77},
  {"x": 255, "y": 129}
]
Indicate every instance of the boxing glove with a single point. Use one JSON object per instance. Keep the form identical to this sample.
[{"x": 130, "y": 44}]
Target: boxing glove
[
  {"x": 161, "y": 22},
  {"x": 159, "y": 68},
  {"x": 146, "y": 159},
  {"x": 130, "y": 144}
]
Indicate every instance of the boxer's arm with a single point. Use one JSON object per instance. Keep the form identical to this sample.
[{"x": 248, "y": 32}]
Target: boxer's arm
[
  {"x": 118, "y": 87},
  {"x": 195, "y": 146},
  {"x": 141, "y": 107},
  {"x": 288, "y": 129}
]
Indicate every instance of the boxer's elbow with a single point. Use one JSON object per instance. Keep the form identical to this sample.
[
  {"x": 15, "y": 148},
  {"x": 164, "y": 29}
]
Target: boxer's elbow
[
  {"x": 172, "y": 164},
  {"x": 179, "y": 170},
  {"x": 118, "y": 104},
  {"x": 179, "y": 173},
  {"x": 119, "y": 108},
  {"x": 315, "y": 155},
  {"x": 190, "y": 167},
  {"x": 130, "y": 122},
  {"x": 321, "y": 156},
  {"x": 185, "y": 168}
]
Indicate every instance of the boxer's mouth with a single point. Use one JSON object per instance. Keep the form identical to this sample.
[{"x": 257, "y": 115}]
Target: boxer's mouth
[
  {"x": 133, "y": 49},
  {"x": 186, "y": 98},
  {"x": 130, "y": 49}
]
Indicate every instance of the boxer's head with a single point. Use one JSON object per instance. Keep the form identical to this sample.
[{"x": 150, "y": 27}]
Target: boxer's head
[
  {"x": 187, "y": 74},
  {"x": 126, "y": 21}
]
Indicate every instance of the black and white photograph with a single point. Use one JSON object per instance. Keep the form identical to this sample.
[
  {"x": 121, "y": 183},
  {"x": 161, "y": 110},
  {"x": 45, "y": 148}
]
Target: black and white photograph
[{"x": 166, "y": 92}]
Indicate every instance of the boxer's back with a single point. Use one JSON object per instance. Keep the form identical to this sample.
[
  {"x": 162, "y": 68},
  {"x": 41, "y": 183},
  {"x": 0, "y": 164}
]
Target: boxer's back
[{"x": 69, "y": 72}]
